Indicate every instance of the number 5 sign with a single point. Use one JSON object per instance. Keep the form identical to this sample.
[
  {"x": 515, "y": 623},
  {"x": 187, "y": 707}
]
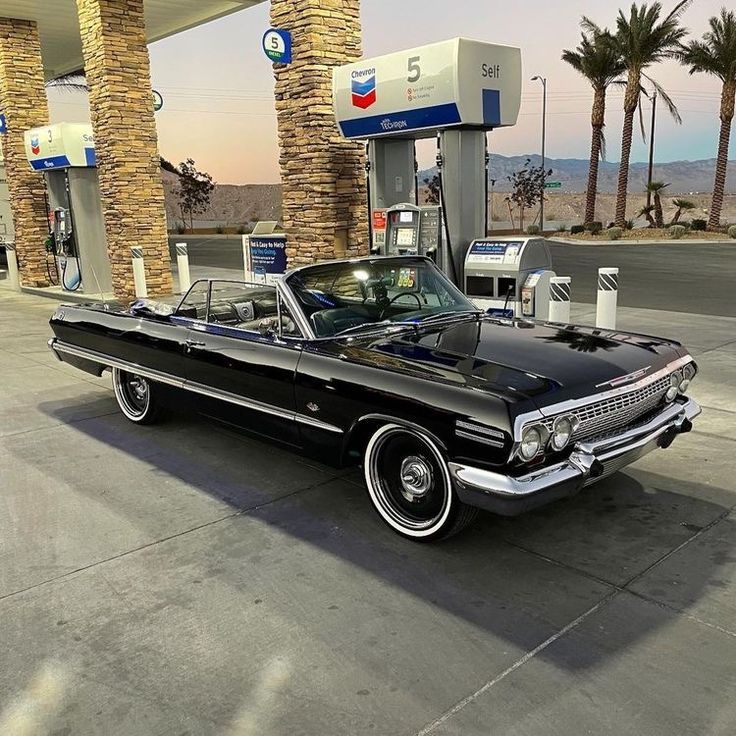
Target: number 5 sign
[{"x": 277, "y": 45}]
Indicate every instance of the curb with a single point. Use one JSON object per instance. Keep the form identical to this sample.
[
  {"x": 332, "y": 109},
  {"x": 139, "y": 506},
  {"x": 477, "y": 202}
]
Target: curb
[{"x": 663, "y": 241}]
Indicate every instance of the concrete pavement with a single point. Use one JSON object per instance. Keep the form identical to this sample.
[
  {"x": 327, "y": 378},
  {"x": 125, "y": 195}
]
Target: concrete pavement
[{"x": 182, "y": 579}]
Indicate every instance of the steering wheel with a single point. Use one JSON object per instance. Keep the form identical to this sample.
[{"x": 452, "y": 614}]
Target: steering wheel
[{"x": 398, "y": 296}]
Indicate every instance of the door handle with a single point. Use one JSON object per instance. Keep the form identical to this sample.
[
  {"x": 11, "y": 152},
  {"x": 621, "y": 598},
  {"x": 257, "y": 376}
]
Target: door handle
[{"x": 195, "y": 344}]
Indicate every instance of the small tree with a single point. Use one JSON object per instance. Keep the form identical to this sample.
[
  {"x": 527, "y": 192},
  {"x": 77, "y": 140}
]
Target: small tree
[
  {"x": 194, "y": 190},
  {"x": 526, "y": 188},
  {"x": 433, "y": 189},
  {"x": 682, "y": 206}
]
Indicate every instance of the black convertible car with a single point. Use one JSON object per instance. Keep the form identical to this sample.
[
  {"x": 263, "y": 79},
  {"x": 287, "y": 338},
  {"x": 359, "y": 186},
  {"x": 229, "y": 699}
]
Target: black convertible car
[{"x": 383, "y": 362}]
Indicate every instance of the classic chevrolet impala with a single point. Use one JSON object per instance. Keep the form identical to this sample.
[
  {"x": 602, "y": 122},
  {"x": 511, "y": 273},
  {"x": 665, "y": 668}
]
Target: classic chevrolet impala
[{"x": 383, "y": 362}]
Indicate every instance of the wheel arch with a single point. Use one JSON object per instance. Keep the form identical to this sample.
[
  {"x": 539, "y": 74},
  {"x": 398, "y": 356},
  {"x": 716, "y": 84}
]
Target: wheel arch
[{"x": 363, "y": 428}]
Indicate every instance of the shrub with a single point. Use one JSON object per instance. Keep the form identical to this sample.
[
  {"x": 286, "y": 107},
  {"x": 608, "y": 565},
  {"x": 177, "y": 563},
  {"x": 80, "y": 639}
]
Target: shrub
[
  {"x": 677, "y": 231},
  {"x": 532, "y": 230},
  {"x": 219, "y": 229},
  {"x": 732, "y": 231},
  {"x": 699, "y": 224},
  {"x": 614, "y": 233},
  {"x": 561, "y": 228},
  {"x": 242, "y": 230},
  {"x": 594, "y": 228},
  {"x": 576, "y": 229},
  {"x": 180, "y": 228},
  {"x": 629, "y": 224}
]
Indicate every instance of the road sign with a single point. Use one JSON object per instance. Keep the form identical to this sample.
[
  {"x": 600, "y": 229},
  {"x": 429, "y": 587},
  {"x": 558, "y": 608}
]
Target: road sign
[
  {"x": 277, "y": 45},
  {"x": 553, "y": 185},
  {"x": 3, "y": 124},
  {"x": 158, "y": 101}
]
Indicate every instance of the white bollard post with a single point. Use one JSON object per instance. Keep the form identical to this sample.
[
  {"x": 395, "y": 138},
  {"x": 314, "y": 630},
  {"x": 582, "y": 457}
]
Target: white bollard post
[
  {"x": 182, "y": 264},
  {"x": 246, "y": 258},
  {"x": 139, "y": 272},
  {"x": 13, "y": 276},
  {"x": 559, "y": 299},
  {"x": 605, "y": 314}
]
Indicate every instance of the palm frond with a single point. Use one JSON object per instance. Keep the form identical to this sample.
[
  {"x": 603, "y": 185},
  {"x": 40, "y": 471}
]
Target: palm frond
[{"x": 668, "y": 101}]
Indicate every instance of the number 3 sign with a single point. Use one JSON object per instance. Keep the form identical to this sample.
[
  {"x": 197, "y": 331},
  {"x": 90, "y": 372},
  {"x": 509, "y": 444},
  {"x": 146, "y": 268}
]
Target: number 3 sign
[{"x": 277, "y": 45}]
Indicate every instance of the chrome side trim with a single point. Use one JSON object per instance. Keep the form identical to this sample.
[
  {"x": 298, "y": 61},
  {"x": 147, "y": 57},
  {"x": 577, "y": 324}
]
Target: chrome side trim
[
  {"x": 194, "y": 387},
  {"x": 477, "y": 438},
  {"x": 572, "y": 404}
]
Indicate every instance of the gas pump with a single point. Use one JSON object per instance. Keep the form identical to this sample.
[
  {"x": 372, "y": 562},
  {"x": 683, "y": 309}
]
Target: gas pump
[
  {"x": 454, "y": 91},
  {"x": 65, "y": 154}
]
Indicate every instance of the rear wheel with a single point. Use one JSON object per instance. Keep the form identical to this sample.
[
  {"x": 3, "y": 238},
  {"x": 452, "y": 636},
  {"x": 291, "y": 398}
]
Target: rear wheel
[
  {"x": 409, "y": 484},
  {"x": 136, "y": 396}
]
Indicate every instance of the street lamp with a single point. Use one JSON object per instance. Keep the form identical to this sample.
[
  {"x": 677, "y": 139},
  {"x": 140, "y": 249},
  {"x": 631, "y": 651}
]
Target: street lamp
[{"x": 543, "y": 80}]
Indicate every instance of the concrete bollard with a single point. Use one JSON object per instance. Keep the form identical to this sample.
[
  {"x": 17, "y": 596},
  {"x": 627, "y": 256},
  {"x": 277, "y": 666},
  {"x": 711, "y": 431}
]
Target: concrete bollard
[
  {"x": 13, "y": 276},
  {"x": 182, "y": 264},
  {"x": 139, "y": 272},
  {"x": 605, "y": 313},
  {"x": 559, "y": 299},
  {"x": 246, "y": 258}
]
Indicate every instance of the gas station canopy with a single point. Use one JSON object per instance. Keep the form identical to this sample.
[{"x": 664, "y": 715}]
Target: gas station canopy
[{"x": 59, "y": 26}]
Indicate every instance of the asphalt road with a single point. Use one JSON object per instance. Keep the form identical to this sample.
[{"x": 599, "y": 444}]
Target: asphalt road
[{"x": 677, "y": 277}]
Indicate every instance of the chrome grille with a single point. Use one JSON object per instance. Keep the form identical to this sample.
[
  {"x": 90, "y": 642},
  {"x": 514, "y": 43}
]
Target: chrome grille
[{"x": 603, "y": 417}]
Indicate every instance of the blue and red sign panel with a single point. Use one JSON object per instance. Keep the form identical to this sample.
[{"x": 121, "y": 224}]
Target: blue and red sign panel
[{"x": 363, "y": 88}]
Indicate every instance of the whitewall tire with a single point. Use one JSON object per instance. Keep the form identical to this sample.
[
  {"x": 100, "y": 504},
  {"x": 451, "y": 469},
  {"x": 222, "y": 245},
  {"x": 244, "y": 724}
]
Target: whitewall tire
[{"x": 136, "y": 396}]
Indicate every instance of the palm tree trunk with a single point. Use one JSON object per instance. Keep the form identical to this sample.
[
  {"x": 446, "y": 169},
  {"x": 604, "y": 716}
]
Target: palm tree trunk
[
  {"x": 727, "y": 109},
  {"x": 597, "y": 119},
  {"x": 658, "y": 214},
  {"x": 631, "y": 99}
]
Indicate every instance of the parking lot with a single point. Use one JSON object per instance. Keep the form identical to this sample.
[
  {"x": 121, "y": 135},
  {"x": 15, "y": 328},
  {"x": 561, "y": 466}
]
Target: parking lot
[{"x": 181, "y": 579}]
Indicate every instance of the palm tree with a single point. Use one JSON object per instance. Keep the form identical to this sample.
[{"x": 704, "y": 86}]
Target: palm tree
[
  {"x": 598, "y": 60},
  {"x": 682, "y": 206},
  {"x": 656, "y": 188},
  {"x": 643, "y": 39},
  {"x": 646, "y": 211},
  {"x": 716, "y": 55}
]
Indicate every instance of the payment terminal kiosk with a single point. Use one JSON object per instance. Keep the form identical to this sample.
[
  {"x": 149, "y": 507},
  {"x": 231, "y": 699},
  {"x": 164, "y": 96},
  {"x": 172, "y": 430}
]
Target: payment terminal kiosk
[
  {"x": 412, "y": 230},
  {"x": 510, "y": 276}
]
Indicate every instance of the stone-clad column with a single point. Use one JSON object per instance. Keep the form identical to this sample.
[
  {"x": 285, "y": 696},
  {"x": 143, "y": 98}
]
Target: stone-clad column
[
  {"x": 322, "y": 174},
  {"x": 117, "y": 68},
  {"x": 23, "y": 101}
]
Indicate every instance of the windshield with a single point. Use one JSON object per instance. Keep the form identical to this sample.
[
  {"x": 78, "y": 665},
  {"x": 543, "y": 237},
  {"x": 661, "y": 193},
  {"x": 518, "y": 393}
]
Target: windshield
[{"x": 338, "y": 297}]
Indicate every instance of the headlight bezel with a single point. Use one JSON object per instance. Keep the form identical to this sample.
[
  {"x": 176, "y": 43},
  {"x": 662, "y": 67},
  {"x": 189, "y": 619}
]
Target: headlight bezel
[
  {"x": 543, "y": 436},
  {"x": 573, "y": 423}
]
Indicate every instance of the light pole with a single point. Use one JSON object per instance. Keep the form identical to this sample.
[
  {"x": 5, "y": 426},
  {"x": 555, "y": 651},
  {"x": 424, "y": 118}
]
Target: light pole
[{"x": 543, "y": 80}]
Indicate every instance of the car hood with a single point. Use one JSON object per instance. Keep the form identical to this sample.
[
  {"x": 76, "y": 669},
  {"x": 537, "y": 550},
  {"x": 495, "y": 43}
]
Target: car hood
[{"x": 524, "y": 359}]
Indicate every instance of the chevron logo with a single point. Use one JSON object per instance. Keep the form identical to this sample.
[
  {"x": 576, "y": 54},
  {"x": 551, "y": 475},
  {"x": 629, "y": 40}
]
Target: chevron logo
[{"x": 363, "y": 89}]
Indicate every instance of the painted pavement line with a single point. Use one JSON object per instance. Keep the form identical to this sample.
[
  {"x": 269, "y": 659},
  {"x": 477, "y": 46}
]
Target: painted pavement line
[{"x": 461, "y": 704}]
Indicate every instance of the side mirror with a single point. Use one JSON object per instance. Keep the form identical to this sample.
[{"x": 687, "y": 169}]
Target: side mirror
[{"x": 267, "y": 327}]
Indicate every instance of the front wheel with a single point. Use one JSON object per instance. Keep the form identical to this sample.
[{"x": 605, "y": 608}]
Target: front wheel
[
  {"x": 409, "y": 484},
  {"x": 136, "y": 397}
]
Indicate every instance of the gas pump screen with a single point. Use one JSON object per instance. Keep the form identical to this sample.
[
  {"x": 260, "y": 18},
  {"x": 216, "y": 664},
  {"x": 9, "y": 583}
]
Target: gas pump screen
[
  {"x": 406, "y": 216},
  {"x": 405, "y": 236}
]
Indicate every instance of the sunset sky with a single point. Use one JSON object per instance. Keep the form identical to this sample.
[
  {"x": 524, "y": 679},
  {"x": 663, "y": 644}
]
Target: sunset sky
[{"x": 218, "y": 85}]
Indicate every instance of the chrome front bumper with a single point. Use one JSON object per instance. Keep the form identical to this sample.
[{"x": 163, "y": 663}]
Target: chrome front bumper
[{"x": 588, "y": 462}]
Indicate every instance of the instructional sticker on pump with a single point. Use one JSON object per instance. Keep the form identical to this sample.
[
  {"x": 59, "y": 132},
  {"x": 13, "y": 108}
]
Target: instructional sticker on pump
[{"x": 407, "y": 278}]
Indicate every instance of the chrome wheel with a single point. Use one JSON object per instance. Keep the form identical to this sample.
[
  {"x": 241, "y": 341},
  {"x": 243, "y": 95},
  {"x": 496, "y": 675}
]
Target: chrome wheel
[
  {"x": 408, "y": 481},
  {"x": 133, "y": 393}
]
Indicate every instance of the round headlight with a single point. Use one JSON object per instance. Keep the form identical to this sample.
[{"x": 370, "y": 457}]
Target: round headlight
[
  {"x": 684, "y": 384},
  {"x": 688, "y": 371},
  {"x": 562, "y": 431},
  {"x": 531, "y": 443},
  {"x": 675, "y": 380}
]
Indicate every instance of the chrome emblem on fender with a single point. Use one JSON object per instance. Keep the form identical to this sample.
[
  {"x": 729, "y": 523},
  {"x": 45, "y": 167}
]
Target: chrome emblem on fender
[
  {"x": 625, "y": 379},
  {"x": 313, "y": 407}
]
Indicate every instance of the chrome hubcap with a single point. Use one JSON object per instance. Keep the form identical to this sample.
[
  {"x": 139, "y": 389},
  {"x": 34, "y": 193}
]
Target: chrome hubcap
[
  {"x": 416, "y": 478},
  {"x": 139, "y": 387}
]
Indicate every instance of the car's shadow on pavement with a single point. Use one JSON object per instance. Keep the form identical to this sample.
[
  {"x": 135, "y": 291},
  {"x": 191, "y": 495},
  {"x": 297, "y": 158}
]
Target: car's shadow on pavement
[{"x": 519, "y": 579}]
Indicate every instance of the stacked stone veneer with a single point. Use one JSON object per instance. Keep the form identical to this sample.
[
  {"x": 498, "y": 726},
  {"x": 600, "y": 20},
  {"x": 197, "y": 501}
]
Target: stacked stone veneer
[
  {"x": 23, "y": 100},
  {"x": 117, "y": 67},
  {"x": 323, "y": 175}
]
